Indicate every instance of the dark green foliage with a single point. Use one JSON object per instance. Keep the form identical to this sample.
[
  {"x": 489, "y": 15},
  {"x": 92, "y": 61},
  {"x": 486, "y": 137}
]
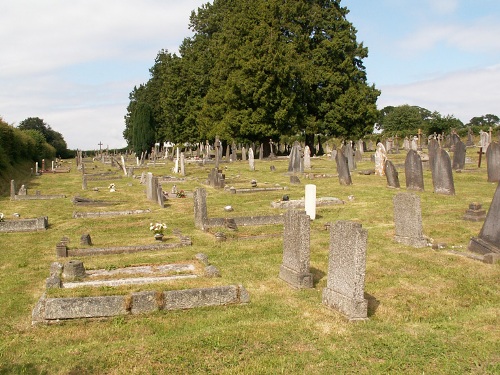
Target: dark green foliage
[
  {"x": 53, "y": 138},
  {"x": 259, "y": 69},
  {"x": 142, "y": 126},
  {"x": 485, "y": 121}
]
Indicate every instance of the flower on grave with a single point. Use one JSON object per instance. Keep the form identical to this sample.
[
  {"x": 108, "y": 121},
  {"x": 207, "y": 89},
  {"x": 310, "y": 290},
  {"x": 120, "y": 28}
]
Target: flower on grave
[
  {"x": 181, "y": 194},
  {"x": 157, "y": 228},
  {"x": 1, "y": 216},
  {"x": 111, "y": 187}
]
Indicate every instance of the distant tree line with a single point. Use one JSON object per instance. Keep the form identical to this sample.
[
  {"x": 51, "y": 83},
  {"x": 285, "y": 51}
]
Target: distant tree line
[
  {"x": 31, "y": 140},
  {"x": 405, "y": 120},
  {"x": 255, "y": 70}
]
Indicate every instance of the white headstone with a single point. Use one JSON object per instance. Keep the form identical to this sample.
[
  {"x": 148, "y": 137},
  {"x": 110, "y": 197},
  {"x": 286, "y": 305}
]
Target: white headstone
[{"x": 310, "y": 201}]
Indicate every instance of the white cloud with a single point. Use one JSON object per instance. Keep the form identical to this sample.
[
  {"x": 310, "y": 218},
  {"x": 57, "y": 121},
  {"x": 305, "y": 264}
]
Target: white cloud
[
  {"x": 464, "y": 94},
  {"x": 443, "y": 6},
  {"x": 479, "y": 36}
]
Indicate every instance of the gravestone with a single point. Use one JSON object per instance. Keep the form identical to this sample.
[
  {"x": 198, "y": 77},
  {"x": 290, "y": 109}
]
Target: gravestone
[
  {"x": 228, "y": 152},
  {"x": 470, "y": 138},
  {"x": 22, "y": 190},
  {"x": 310, "y": 201},
  {"x": 392, "y": 175},
  {"x": 12, "y": 190},
  {"x": 343, "y": 169},
  {"x": 296, "y": 250},
  {"x": 216, "y": 179},
  {"x": 183, "y": 165},
  {"x": 307, "y": 158},
  {"x": 406, "y": 144},
  {"x": 244, "y": 154},
  {"x": 200, "y": 208},
  {"x": 442, "y": 176},
  {"x": 358, "y": 155},
  {"x": 85, "y": 240},
  {"x": 345, "y": 284},
  {"x": 459, "y": 155},
  {"x": 414, "y": 174},
  {"x": 493, "y": 162},
  {"x": 484, "y": 140},
  {"x": 475, "y": 212},
  {"x": 408, "y": 220},
  {"x": 349, "y": 154},
  {"x": 380, "y": 158},
  {"x": 432, "y": 149},
  {"x": 294, "y": 159},
  {"x": 261, "y": 152},
  {"x": 488, "y": 240},
  {"x": 251, "y": 160},
  {"x": 294, "y": 180}
]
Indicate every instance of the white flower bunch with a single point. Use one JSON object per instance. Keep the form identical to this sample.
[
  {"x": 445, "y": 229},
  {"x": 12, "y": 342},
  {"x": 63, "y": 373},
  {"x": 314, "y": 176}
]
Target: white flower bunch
[
  {"x": 157, "y": 227},
  {"x": 1, "y": 216},
  {"x": 111, "y": 188}
]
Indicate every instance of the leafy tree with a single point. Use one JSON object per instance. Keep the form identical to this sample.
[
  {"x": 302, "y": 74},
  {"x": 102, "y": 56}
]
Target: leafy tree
[
  {"x": 257, "y": 69},
  {"x": 485, "y": 121},
  {"x": 401, "y": 120},
  {"x": 439, "y": 124},
  {"x": 51, "y": 136}
]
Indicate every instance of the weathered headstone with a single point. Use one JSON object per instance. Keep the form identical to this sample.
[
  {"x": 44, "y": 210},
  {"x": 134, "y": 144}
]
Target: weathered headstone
[
  {"x": 392, "y": 175},
  {"x": 85, "y": 240},
  {"x": 345, "y": 284},
  {"x": 442, "y": 176},
  {"x": 294, "y": 180},
  {"x": 22, "y": 190},
  {"x": 182, "y": 165},
  {"x": 261, "y": 152},
  {"x": 12, "y": 189},
  {"x": 349, "y": 154},
  {"x": 414, "y": 174},
  {"x": 200, "y": 208},
  {"x": 493, "y": 162},
  {"x": 243, "y": 154},
  {"x": 380, "y": 158},
  {"x": 343, "y": 169},
  {"x": 296, "y": 250},
  {"x": 475, "y": 212},
  {"x": 307, "y": 158},
  {"x": 294, "y": 161},
  {"x": 459, "y": 155},
  {"x": 488, "y": 240},
  {"x": 408, "y": 220},
  {"x": 251, "y": 160}
]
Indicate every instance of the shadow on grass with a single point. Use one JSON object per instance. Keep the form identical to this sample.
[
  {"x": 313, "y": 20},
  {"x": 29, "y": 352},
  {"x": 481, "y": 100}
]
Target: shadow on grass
[
  {"x": 373, "y": 304},
  {"x": 317, "y": 275}
]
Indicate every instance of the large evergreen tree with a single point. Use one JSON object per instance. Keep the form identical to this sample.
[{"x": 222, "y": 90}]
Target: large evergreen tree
[{"x": 258, "y": 69}]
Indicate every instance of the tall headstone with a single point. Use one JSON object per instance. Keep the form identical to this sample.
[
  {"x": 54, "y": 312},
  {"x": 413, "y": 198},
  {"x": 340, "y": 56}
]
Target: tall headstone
[
  {"x": 343, "y": 169},
  {"x": 442, "y": 176},
  {"x": 459, "y": 155},
  {"x": 307, "y": 158},
  {"x": 408, "y": 220},
  {"x": 432, "y": 148},
  {"x": 251, "y": 159},
  {"x": 182, "y": 165},
  {"x": 200, "y": 208},
  {"x": 484, "y": 140},
  {"x": 261, "y": 152},
  {"x": 310, "y": 201},
  {"x": 493, "y": 162},
  {"x": 243, "y": 153},
  {"x": 392, "y": 175},
  {"x": 349, "y": 154},
  {"x": 470, "y": 138},
  {"x": 228, "y": 152},
  {"x": 414, "y": 173},
  {"x": 12, "y": 190},
  {"x": 345, "y": 284},
  {"x": 296, "y": 250},
  {"x": 489, "y": 237},
  {"x": 294, "y": 161},
  {"x": 84, "y": 182},
  {"x": 149, "y": 186},
  {"x": 380, "y": 158}
]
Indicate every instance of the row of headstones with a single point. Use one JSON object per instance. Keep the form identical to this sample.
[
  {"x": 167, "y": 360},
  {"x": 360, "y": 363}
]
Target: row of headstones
[
  {"x": 346, "y": 263},
  {"x": 347, "y": 252}
]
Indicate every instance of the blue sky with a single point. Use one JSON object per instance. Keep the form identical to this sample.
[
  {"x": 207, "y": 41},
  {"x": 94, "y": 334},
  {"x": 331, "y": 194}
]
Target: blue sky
[{"x": 74, "y": 63}]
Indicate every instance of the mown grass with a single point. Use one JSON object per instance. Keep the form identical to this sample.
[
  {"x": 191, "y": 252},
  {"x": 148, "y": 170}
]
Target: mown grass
[{"x": 430, "y": 311}]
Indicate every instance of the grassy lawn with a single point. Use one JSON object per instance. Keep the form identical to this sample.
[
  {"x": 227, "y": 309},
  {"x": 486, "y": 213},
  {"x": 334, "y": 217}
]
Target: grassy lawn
[{"x": 430, "y": 311}]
